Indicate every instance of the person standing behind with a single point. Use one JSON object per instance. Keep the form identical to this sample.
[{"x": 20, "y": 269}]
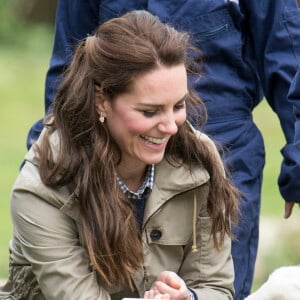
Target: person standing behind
[{"x": 251, "y": 51}]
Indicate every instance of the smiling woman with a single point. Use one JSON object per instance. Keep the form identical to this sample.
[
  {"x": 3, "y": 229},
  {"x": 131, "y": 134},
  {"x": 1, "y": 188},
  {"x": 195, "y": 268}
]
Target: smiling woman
[
  {"x": 121, "y": 196},
  {"x": 143, "y": 120}
]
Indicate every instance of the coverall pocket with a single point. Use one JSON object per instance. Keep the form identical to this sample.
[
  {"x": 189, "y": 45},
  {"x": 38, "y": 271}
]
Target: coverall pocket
[
  {"x": 292, "y": 23},
  {"x": 209, "y": 26}
]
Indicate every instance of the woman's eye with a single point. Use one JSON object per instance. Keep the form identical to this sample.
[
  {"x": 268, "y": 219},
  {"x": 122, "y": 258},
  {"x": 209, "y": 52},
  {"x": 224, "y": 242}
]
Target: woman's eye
[
  {"x": 180, "y": 106},
  {"x": 149, "y": 113}
]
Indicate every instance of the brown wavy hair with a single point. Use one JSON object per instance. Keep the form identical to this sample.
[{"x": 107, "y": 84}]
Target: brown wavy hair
[{"x": 117, "y": 53}]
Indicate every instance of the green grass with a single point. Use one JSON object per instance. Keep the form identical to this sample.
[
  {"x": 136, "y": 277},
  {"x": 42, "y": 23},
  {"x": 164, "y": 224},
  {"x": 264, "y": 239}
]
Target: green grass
[
  {"x": 267, "y": 122},
  {"x": 23, "y": 64},
  {"x": 278, "y": 243}
]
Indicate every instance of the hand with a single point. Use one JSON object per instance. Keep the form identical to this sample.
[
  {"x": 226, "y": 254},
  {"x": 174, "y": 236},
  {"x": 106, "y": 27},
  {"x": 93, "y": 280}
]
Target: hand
[
  {"x": 154, "y": 294},
  {"x": 168, "y": 284},
  {"x": 288, "y": 209}
]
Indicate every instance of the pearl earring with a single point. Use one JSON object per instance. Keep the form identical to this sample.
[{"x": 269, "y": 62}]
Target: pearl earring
[{"x": 101, "y": 118}]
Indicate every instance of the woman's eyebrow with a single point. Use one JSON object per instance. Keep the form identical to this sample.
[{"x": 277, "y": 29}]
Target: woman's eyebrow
[{"x": 160, "y": 105}]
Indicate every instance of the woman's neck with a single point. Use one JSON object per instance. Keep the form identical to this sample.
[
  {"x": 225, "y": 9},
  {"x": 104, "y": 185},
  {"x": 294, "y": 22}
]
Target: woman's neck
[{"x": 132, "y": 176}]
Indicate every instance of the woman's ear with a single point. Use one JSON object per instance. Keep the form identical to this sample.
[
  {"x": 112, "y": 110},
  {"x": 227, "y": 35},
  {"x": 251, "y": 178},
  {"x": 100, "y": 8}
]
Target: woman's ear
[{"x": 102, "y": 104}]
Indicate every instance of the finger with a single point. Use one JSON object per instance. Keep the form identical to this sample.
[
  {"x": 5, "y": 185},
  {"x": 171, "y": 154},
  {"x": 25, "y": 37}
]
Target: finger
[
  {"x": 171, "y": 279},
  {"x": 164, "y": 297},
  {"x": 164, "y": 288},
  {"x": 174, "y": 294},
  {"x": 288, "y": 208},
  {"x": 148, "y": 295},
  {"x": 152, "y": 293}
]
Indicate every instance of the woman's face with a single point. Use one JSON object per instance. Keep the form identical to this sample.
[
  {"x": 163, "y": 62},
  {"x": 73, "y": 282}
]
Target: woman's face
[{"x": 143, "y": 120}]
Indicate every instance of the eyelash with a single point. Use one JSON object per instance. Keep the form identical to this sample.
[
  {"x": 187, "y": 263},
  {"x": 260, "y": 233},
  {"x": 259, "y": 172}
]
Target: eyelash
[{"x": 151, "y": 113}]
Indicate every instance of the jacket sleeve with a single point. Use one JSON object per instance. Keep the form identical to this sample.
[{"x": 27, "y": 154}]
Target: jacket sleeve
[
  {"x": 272, "y": 30},
  {"x": 49, "y": 241},
  {"x": 289, "y": 177}
]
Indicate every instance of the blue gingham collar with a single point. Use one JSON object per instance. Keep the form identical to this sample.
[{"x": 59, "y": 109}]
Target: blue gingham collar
[{"x": 148, "y": 183}]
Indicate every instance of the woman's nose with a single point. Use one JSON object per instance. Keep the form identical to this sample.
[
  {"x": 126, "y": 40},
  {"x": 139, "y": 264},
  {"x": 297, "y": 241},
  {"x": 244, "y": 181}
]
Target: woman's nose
[{"x": 168, "y": 125}]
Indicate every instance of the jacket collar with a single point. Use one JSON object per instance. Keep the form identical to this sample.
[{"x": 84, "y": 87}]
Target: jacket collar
[{"x": 169, "y": 181}]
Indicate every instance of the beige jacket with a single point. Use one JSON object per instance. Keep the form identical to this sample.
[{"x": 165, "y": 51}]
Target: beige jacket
[{"x": 48, "y": 255}]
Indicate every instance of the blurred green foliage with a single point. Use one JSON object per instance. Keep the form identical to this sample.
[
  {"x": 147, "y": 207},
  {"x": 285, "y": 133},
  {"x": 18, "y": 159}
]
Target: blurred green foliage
[
  {"x": 268, "y": 123},
  {"x": 24, "y": 54}
]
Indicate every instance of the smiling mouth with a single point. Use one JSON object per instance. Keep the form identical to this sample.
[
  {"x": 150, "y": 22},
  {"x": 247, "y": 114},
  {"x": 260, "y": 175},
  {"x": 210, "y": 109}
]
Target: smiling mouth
[{"x": 153, "y": 140}]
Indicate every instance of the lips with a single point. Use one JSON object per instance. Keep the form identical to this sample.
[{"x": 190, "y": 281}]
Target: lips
[{"x": 153, "y": 140}]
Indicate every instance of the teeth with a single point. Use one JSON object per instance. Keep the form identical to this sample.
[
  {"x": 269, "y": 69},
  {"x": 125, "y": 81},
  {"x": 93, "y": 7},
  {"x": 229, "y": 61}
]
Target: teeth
[{"x": 153, "y": 140}]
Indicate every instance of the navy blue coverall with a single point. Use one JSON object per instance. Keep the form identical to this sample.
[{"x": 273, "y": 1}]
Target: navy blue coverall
[{"x": 251, "y": 50}]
